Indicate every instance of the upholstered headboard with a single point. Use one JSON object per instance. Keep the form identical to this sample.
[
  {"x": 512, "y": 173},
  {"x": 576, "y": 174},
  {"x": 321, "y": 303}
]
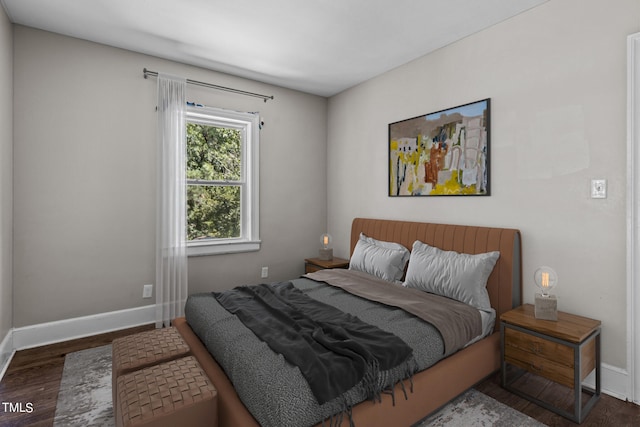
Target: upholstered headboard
[{"x": 505, "y": 282}]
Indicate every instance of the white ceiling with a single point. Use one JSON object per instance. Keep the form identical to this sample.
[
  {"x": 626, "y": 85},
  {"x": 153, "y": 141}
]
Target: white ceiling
[{"x": 316, "y": 46}]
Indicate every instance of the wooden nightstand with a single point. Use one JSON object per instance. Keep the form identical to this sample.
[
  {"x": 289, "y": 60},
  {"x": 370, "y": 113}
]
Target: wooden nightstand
[
  {"x": 564, "y": 351},
  {"x": 315, "y": 264}
]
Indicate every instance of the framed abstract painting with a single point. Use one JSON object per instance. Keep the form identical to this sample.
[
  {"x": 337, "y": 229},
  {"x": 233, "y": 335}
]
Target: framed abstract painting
[{"x": 445, "y": 153}]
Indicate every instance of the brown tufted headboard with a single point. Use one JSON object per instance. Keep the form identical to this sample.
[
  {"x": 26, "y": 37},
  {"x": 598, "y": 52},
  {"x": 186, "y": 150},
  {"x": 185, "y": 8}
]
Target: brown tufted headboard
[{"x": 505, "y": 282}]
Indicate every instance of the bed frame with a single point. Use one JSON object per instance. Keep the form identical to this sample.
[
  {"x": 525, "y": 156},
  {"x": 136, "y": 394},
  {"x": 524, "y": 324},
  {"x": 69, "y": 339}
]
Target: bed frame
[{"x": 446, "y": 379}]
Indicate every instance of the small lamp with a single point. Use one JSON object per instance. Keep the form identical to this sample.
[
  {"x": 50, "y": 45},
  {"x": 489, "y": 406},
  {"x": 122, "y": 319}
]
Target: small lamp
[
  {"x": 326, "y": 252},
  {"x": 546, "y": 307}
]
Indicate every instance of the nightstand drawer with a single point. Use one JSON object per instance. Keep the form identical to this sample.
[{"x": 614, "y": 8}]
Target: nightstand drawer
[
  {"x": 311, "y": 268},
  {"x": 560, "y": 354},
  {"x": 539, "y": 365},
  {"x": 533, "y": 351}
]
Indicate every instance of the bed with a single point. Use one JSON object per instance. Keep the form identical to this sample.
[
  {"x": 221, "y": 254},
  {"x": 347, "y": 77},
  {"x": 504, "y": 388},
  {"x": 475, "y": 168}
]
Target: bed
[{"x": 446, "y": 379}]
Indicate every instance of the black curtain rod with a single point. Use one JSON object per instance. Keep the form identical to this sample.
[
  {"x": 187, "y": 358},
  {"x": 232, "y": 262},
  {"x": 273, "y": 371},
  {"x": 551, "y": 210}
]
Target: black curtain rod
[{"x": 148, "y": 73}]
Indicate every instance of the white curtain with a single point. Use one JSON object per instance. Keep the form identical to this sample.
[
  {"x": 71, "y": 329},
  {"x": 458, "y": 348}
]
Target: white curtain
[{"x": 171, "y": 250}]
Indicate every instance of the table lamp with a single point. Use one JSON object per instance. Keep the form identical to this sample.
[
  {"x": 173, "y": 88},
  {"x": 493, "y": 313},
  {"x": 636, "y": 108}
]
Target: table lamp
[
  {"x": 326, "y": 252},
  {"x": 546, "y": 307}
]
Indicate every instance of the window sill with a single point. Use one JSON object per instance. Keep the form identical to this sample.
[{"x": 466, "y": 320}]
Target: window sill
[{"x": 204, "y": 249}]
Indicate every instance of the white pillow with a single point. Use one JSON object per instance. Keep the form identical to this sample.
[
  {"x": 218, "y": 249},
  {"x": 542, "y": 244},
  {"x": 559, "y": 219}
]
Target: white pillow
[
  {"x": 462, "y": 277},
  {"x": 385, "y": 260}
]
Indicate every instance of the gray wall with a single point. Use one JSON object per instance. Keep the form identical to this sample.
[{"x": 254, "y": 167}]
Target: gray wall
[
  {"x": 6, "y": 175},
  {"x": 84, "y": 178},
  {"x": 556, "y": 76}
]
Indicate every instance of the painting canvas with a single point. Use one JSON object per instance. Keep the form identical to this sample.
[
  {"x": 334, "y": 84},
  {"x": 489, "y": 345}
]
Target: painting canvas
[{"x": 445, "y": 153}]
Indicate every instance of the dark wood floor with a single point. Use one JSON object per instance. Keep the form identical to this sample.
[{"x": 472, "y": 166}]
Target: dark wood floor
[
  {"x": 608, "y": 411},
  {"x": 34, "y": 377}
]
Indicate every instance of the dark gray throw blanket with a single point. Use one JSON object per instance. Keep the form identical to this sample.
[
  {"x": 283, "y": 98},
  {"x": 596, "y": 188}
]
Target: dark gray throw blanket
[{"x": 334, "y": 351}]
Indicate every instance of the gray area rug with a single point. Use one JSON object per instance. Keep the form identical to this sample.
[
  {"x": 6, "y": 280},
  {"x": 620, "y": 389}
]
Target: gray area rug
[
  {"x": 85, "y": 399},
  {"x": 476, "y": 409}
]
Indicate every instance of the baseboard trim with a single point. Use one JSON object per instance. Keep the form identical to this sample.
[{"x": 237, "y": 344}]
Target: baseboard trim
[
  {"x": 615, "y": 382},
  {"x": 80, "y": 327},
  {"x": 6, "y": 352}
]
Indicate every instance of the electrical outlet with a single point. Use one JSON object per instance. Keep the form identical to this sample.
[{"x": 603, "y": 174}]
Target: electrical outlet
[
  {"x": 598, "y": 188},
  {"x": 265, "y": 272},
  {"x": 147, "y": 291}
]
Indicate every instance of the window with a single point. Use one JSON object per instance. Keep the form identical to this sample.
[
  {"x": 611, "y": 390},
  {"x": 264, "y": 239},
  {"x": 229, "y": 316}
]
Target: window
[{"x": 222, "y": 181}]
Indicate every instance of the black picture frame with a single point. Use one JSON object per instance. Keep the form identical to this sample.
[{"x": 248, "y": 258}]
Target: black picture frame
[{"x": 444, "y": 153}]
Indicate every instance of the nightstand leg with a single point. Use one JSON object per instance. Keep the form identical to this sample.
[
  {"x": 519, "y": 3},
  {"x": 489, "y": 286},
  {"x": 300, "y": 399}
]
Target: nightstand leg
[
  {"x": 598, "y": 362},
  {"x": 503, "y": 363},
  {"x": 595, "y": 394},
  {"x": 577, "y": 383},
  {"x": 580, "y": 411}
]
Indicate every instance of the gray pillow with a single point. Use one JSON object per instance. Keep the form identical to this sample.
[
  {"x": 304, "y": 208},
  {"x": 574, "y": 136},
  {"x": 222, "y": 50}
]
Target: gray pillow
[
  {"x": 385, "y": 260},
  {"x": 462, "y": 277}
]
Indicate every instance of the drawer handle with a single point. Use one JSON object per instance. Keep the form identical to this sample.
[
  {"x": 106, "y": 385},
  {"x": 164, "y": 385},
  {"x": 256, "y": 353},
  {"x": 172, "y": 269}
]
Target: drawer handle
[
  {"x": 536, "y": 368},
  {"x": 536, "y": 347}
]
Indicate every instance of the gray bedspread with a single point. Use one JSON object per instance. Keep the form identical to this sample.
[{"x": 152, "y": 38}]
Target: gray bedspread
[
  {"x": 274, "y": 391},
  {"x": 434, "y": 309}
]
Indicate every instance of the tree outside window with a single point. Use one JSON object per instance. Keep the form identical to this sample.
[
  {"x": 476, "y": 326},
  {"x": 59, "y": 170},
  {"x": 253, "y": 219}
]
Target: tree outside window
[{"x": 214, "y": 161}]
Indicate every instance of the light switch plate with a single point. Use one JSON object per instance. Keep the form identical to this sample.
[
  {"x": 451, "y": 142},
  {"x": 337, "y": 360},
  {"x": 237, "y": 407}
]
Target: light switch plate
[{"x": 598, "y": 188}]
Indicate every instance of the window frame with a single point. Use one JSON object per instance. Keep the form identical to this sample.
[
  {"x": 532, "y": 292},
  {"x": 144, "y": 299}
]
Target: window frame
[{"x": 248, "y": 123}]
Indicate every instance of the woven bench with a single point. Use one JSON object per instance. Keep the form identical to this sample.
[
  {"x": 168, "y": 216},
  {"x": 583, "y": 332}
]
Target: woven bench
[
  {"x": 175, "y": 393},
  {"x": 144, "y": 349}
]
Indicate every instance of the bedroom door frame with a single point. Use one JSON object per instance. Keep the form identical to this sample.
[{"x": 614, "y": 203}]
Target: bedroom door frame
[{"x": 633, "y": 216}]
